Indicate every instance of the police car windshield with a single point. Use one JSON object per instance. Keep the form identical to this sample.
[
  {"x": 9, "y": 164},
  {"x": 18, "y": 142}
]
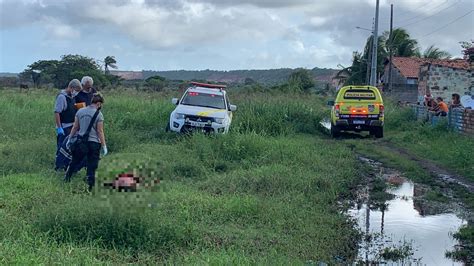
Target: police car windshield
[{"x": 204, "y": 100}]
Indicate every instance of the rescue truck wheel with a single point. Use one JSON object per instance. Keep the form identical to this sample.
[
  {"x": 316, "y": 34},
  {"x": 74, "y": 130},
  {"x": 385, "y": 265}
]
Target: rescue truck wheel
[
  {"x": 378, "y": 132},
  {"x": 335, "y": 131}
]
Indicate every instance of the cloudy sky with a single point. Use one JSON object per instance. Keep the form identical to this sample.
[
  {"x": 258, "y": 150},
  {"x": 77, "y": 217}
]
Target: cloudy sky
[{"x": 217, "y": 34}]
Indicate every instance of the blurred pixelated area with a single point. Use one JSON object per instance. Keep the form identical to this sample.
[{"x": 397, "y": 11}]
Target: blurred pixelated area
[
  {"x": 131, "y": 182},
  {"x": 131, "y": 185}
]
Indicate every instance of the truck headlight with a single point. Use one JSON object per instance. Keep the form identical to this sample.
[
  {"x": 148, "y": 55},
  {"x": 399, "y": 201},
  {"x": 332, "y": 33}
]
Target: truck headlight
[
  {"x": 178, "y": 116},
  {"x": 219, "y": 120}
]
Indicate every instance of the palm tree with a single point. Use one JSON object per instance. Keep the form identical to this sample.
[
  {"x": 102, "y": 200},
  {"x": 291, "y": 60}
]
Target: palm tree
[
  {"x": 402, "y": 44},
  {"x": 359, "y": 70},
  {"x": 433, "y": 52},
  {"x": 109, "y": 61}
]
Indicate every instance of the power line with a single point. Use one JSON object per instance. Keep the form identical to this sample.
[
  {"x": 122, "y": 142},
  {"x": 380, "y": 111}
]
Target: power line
[
  {"x": 429, "y": 9},
  {"x": 440, "y": 28},
  {"x": 423, "y": 6},
  {"x": 427, "y": 17}
]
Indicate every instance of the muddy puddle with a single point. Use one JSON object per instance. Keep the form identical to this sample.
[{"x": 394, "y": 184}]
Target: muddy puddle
[
  {"x": 397, "y": 230},
  {"x": 326, "y": 123}
]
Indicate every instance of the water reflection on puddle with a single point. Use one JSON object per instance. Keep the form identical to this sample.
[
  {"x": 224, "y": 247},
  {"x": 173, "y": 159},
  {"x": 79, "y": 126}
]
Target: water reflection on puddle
[
  {"x": 430, "y": 236},
  {"x": 326, "y": 123}
]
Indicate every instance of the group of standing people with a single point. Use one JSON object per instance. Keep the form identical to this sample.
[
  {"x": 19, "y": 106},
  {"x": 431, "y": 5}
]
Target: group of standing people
[
  {"x": 439, "y": 107},
  {"x": 77, "y": 113}
]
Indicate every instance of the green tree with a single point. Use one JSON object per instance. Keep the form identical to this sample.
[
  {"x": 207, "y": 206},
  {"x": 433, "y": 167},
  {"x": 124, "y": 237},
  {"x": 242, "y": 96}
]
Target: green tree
[
  {"x": 77, "y": 66},
  {"x": 433, "y": 52},
  {"x": 40, "y": 72},
  {"x": 357, "y": 71},
  {"x": 69, "y": 67},
  {"x": 109, "y": 62},
  {"x": 361, "y": 61},
  {"x": 468, "y": 50},
  {"x": 156, "y": 83},
  {"x": 301, "y": 80},
  {"x": 402, "y": 43}
]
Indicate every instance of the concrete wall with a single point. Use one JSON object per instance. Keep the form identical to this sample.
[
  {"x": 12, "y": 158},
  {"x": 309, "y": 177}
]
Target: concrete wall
[
  {"x": 402, "y": 92},
  {"x": 444, "y": 81},
  {"x": 460, "y": 120}
]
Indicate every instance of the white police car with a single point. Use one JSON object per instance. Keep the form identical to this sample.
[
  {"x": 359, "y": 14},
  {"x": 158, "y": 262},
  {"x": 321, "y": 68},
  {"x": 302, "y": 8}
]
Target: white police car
[{"x": 202, "y": 108}]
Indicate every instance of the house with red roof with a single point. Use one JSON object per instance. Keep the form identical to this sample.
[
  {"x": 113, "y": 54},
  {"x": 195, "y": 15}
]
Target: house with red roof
[
  {"x": 442, "y": 78},
  {"x": 405, "y": 71},
  {"x": 412, "y": 77}
]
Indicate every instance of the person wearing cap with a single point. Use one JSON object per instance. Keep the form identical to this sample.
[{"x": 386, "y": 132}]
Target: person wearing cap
[
  {"x": 93, "y": 144},
  {"x": 84, "y": 97},
  {"x": 65, "y": 111}
]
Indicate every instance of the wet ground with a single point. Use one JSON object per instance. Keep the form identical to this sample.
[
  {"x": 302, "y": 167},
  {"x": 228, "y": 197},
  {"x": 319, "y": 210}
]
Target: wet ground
[
  {"x": 398, "y": 230},
  {"x": 326, "y": 123}
]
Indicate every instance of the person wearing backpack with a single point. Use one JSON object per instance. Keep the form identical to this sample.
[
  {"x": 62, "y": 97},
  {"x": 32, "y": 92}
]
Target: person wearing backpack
[
  {"x": 64, "y": 112},
  {"x": 90, "y": 139}
]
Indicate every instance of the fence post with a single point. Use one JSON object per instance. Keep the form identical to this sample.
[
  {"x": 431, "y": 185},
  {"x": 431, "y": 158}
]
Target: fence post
[{"x": 450, "y": 112}]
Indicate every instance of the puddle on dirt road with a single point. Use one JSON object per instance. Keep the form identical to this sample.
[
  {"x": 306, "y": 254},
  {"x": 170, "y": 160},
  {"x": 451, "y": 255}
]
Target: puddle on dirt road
[
  {"x": 326, "y": 123},
  {"x": 399, "y": 230}
]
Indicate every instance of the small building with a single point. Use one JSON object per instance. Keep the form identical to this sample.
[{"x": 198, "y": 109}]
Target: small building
[
  {"x": 405, "y": 71},
  {"x": 412, "y": 77},
  {"x": 444, "y": 77}
]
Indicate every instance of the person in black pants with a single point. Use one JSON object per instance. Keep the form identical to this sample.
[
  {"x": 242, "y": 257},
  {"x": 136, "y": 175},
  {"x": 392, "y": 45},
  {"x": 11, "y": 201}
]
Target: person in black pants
[
  {"x": 95, "y": 139},
  {"x": 64, "y": 112}
]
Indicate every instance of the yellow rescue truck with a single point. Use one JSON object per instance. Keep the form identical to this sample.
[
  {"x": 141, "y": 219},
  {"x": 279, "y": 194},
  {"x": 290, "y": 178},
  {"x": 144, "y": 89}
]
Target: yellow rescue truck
[{"x": 357, "y": 108}]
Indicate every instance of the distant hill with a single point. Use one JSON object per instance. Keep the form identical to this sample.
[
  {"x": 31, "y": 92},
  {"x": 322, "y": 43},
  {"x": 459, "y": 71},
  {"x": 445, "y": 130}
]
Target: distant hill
[
  {"x": 270, "y": 76},
  {"x": 8, "y": 75}
]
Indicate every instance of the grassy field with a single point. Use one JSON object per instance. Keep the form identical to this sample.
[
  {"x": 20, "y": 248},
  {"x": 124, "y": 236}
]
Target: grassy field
[{"x": 267, "y": 193}]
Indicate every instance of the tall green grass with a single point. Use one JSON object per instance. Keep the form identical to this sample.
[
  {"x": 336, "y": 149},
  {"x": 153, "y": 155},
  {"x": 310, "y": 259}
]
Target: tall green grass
[
  {"x": 437, "y": 143},
  {"x": 266, "y": 193}
]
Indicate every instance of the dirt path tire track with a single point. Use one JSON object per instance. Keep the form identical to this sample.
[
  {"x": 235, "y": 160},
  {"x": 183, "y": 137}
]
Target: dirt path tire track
[{"x": 429, "y": 166}]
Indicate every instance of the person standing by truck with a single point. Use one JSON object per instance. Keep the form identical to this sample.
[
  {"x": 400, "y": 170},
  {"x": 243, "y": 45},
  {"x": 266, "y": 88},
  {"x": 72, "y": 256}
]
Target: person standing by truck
[{"x": 89, "y": 124}]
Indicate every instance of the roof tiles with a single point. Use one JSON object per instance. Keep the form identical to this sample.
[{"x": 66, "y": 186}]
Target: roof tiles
[{"x": 409, "y": 67}]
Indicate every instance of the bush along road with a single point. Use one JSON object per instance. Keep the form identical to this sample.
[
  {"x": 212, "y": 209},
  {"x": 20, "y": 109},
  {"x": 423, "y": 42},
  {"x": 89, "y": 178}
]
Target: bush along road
[{"x": 275, "y": 190}]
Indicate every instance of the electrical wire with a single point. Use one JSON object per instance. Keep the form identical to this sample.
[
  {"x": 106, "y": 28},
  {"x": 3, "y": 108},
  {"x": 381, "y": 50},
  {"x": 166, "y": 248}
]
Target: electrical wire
[
  {"x": 428, "y": 9},
  {"x": 423, "y": 6},
  {"x": 451, "y": 22},
  {"x": 427, "y": 17}
]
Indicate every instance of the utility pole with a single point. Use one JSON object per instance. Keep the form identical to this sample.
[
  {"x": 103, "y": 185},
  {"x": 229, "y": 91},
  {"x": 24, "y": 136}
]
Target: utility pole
[
  {"x": 369, "y": 58},
  {"x": 390, "y": 48},
  {"x": 373, "y": 73}
]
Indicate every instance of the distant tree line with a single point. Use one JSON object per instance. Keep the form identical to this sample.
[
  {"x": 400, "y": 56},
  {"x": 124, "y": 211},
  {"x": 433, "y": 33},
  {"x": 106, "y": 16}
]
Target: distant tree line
[
  {"x": 58, "y": 73},
  {"x": 267, "y": 77}
]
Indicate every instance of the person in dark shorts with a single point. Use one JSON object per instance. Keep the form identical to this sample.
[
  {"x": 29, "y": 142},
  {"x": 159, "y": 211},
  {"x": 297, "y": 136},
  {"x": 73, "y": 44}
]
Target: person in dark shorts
[{"x": 94, "y": 143}]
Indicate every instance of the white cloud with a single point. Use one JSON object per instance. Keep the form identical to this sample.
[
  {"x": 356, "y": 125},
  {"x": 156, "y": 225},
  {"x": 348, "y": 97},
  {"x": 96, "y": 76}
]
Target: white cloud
[
  {"x": 57, "y": 30},
  {"x": 246, "y": 33},
  {"x": 298, "y": 47}
]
